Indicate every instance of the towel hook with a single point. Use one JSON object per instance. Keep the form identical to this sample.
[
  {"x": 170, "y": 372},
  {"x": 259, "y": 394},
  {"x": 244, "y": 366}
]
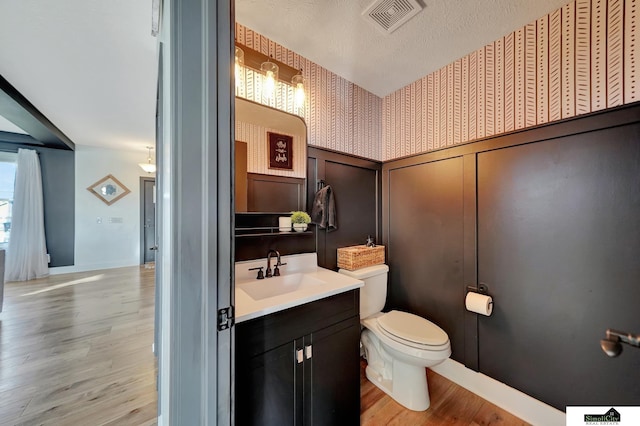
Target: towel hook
[{"x": 321, "y": 184}]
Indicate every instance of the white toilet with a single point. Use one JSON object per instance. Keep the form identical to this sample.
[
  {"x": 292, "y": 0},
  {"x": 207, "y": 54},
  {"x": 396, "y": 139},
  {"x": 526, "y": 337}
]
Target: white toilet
[{"x": 398, "y": 345}]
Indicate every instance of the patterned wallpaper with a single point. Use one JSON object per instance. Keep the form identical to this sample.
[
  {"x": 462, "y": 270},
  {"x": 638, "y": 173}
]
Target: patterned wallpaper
[
  {"x": 339, "y": 114},
  {"x": 578, "y": 59},
  {"x": 257, "y": 151}
]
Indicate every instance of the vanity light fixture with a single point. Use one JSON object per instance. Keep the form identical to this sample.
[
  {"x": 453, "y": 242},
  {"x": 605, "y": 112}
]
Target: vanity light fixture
[
  {"x": 256, "y": 61},
  {"x": 298, "y": 86},
  {"x": 148, "y": 167},
  {"x": 270, "y": 77}
]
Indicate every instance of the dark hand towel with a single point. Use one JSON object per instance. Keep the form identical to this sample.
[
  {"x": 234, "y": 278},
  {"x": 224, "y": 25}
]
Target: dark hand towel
[{"x": 323, "y": 212}]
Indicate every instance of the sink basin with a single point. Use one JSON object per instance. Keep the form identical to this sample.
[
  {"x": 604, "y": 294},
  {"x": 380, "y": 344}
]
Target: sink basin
[{"x": 276, "y": 286}]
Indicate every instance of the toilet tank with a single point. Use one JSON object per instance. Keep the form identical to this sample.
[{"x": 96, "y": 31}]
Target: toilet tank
[{"x": 374, "y": 292}]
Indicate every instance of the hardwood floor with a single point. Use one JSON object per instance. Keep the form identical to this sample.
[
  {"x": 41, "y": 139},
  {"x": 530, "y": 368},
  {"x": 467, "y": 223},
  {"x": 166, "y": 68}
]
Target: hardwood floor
[
  {"x": 450, "y": 405},
  {"x": 75, "y": 349}
]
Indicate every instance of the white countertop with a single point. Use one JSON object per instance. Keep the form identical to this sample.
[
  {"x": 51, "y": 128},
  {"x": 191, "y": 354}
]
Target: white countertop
[{"x": 247, "y": 308}]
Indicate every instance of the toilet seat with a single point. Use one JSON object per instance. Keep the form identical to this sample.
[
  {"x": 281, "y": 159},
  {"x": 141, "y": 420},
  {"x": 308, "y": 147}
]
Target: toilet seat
[{"x": 413, "y": 331}]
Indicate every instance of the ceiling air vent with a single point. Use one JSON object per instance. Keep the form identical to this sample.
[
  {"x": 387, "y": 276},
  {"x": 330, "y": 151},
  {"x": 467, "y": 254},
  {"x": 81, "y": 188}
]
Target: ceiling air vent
[{"x": 389, "y": 15}]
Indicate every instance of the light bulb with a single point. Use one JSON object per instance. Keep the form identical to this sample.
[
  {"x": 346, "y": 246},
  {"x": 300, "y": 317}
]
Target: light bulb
[
  {"x": 270, "y": 71},
  {"x": 299, "y": 95},
  {"x": 269, "y": 85},
  {"x": 238, "y": 68}
]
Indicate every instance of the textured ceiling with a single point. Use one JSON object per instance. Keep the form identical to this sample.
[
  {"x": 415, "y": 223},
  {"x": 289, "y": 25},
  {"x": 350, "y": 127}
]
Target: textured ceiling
[
  {"x": 90, "y": 66},
  {"x": 332, "y": 33}
]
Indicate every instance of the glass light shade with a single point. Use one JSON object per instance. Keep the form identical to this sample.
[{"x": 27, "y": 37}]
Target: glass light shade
[
  {"x": 239, "y": 68},
  {"x": 270, "y": 72},
  {"x": 298, "y": 84},
  {"x": 148, "y": 167}
]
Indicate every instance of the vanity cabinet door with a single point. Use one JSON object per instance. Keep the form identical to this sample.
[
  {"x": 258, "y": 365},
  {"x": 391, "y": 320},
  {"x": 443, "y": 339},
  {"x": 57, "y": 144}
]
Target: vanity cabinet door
[
  {"x": 300, "y": 366},
  {"x": 269, "y": 388},
  {"x": 332, "y": 375}
]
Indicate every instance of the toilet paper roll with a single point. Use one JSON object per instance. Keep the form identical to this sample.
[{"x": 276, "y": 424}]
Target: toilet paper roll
[
  {"x": 284, "y": 223},
  {"x": 479, "y": 303}
]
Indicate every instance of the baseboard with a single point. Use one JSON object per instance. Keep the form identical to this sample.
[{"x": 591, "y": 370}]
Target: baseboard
[
  {"x": 512, "y": 400},
  {"x": 86, "y": 268}
]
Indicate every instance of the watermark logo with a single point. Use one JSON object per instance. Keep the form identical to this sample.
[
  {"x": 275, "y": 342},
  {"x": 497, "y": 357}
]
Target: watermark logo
[
  {"x": 620, "y": 415},
  {"x": 609, "y": 418}
]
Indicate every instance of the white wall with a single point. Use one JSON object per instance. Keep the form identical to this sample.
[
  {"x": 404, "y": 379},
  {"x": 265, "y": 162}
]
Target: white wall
[{"x": 106, "y": 245}]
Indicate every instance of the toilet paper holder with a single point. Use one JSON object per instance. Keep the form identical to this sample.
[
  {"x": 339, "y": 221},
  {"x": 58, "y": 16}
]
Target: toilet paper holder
[{"x": 482, "y": 289}]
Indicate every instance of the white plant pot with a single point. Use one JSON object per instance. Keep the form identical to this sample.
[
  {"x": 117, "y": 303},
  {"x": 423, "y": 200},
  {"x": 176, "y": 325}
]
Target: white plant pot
[
  {"x": 284, "y": 223},
  {"x": 300, "y": 227}
]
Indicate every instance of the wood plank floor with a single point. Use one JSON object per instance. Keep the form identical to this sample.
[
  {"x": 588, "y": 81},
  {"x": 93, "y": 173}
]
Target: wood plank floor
[
  {"x": 75, "y": 349},
  {"x": 450, "y": 405}
]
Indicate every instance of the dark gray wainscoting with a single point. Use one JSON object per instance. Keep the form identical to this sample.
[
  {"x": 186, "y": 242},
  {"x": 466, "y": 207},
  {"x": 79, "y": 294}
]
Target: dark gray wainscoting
[
  {"x": 356, "y": 186},
  {"x": 547, "y": 218},
  {"x": 558, "y": 246},
  {"x": 426, "y": 251},
  {"x": 267, "y": 193}
]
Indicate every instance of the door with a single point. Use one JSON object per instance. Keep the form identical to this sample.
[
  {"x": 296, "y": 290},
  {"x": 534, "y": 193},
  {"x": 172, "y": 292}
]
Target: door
[{"x": 148, "y": 217}]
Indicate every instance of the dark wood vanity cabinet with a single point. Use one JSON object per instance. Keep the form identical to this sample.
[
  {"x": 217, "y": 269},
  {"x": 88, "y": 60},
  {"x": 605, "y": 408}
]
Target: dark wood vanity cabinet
[{"x": 300, "y": 366}]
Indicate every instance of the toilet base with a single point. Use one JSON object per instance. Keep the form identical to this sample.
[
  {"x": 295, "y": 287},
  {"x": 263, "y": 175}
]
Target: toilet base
[{"x": 412, "y": 390}]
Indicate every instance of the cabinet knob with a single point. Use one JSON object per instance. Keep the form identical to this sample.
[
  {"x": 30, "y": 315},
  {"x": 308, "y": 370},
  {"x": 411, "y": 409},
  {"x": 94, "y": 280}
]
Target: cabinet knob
[{"x": 299, "y": 356}]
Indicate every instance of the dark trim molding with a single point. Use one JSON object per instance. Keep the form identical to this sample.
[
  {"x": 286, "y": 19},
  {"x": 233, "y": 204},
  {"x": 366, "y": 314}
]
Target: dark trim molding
[
  {"x": 470, "y": 260},
  {"x": 17, "y": 109},
  {"x": 143, "y": 179}
]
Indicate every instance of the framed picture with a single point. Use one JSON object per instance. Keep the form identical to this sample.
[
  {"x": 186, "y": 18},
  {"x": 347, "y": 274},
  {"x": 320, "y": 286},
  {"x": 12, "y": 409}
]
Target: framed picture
[
  {"x": 108, "y": 189},
  {"x": 280, "y": 151}
]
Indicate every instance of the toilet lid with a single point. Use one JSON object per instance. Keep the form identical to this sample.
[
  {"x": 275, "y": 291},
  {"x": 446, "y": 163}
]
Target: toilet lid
[{"x": 412, "y": 328}]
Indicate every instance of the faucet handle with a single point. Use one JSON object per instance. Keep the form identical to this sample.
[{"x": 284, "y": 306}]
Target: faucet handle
[
  {"x": 260, "y": 273},
  {"x": 276, "y": 270}
]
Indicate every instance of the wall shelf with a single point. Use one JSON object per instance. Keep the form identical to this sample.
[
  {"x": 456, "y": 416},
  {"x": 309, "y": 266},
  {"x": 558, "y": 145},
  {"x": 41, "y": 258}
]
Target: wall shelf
[{"x": 267, "y": 232}]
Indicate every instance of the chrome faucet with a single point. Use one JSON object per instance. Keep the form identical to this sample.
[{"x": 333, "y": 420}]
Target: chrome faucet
[{"x": 276, "y": 270}]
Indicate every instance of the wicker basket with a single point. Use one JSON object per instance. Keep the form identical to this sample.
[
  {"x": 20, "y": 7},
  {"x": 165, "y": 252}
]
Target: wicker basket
[{"x": 356, "y": 257}]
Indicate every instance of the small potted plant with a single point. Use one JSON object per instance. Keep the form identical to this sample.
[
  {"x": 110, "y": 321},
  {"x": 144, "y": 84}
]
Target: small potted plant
[{"x": 300, "y": 220}]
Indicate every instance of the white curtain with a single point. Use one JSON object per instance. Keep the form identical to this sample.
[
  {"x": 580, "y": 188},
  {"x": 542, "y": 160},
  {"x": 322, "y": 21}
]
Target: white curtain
[{"x": 27, "y": 251}]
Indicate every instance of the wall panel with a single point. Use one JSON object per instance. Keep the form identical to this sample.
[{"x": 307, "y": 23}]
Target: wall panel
[
  {"x": 356, "y": 187},
  {"x": 425, "y": 250},
  {"x": 561, "y": 265},
  {"x": 530, "y": 215}
]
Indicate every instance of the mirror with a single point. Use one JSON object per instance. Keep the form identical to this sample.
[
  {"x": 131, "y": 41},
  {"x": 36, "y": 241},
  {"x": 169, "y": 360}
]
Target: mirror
[{"x": 271, "y": 159}]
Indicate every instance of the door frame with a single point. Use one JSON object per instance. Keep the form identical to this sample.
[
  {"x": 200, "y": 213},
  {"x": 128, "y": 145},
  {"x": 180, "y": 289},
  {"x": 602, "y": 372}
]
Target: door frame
[
  {"x": 144, "y": 179},
  {"x": 195, "y": 193}
]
